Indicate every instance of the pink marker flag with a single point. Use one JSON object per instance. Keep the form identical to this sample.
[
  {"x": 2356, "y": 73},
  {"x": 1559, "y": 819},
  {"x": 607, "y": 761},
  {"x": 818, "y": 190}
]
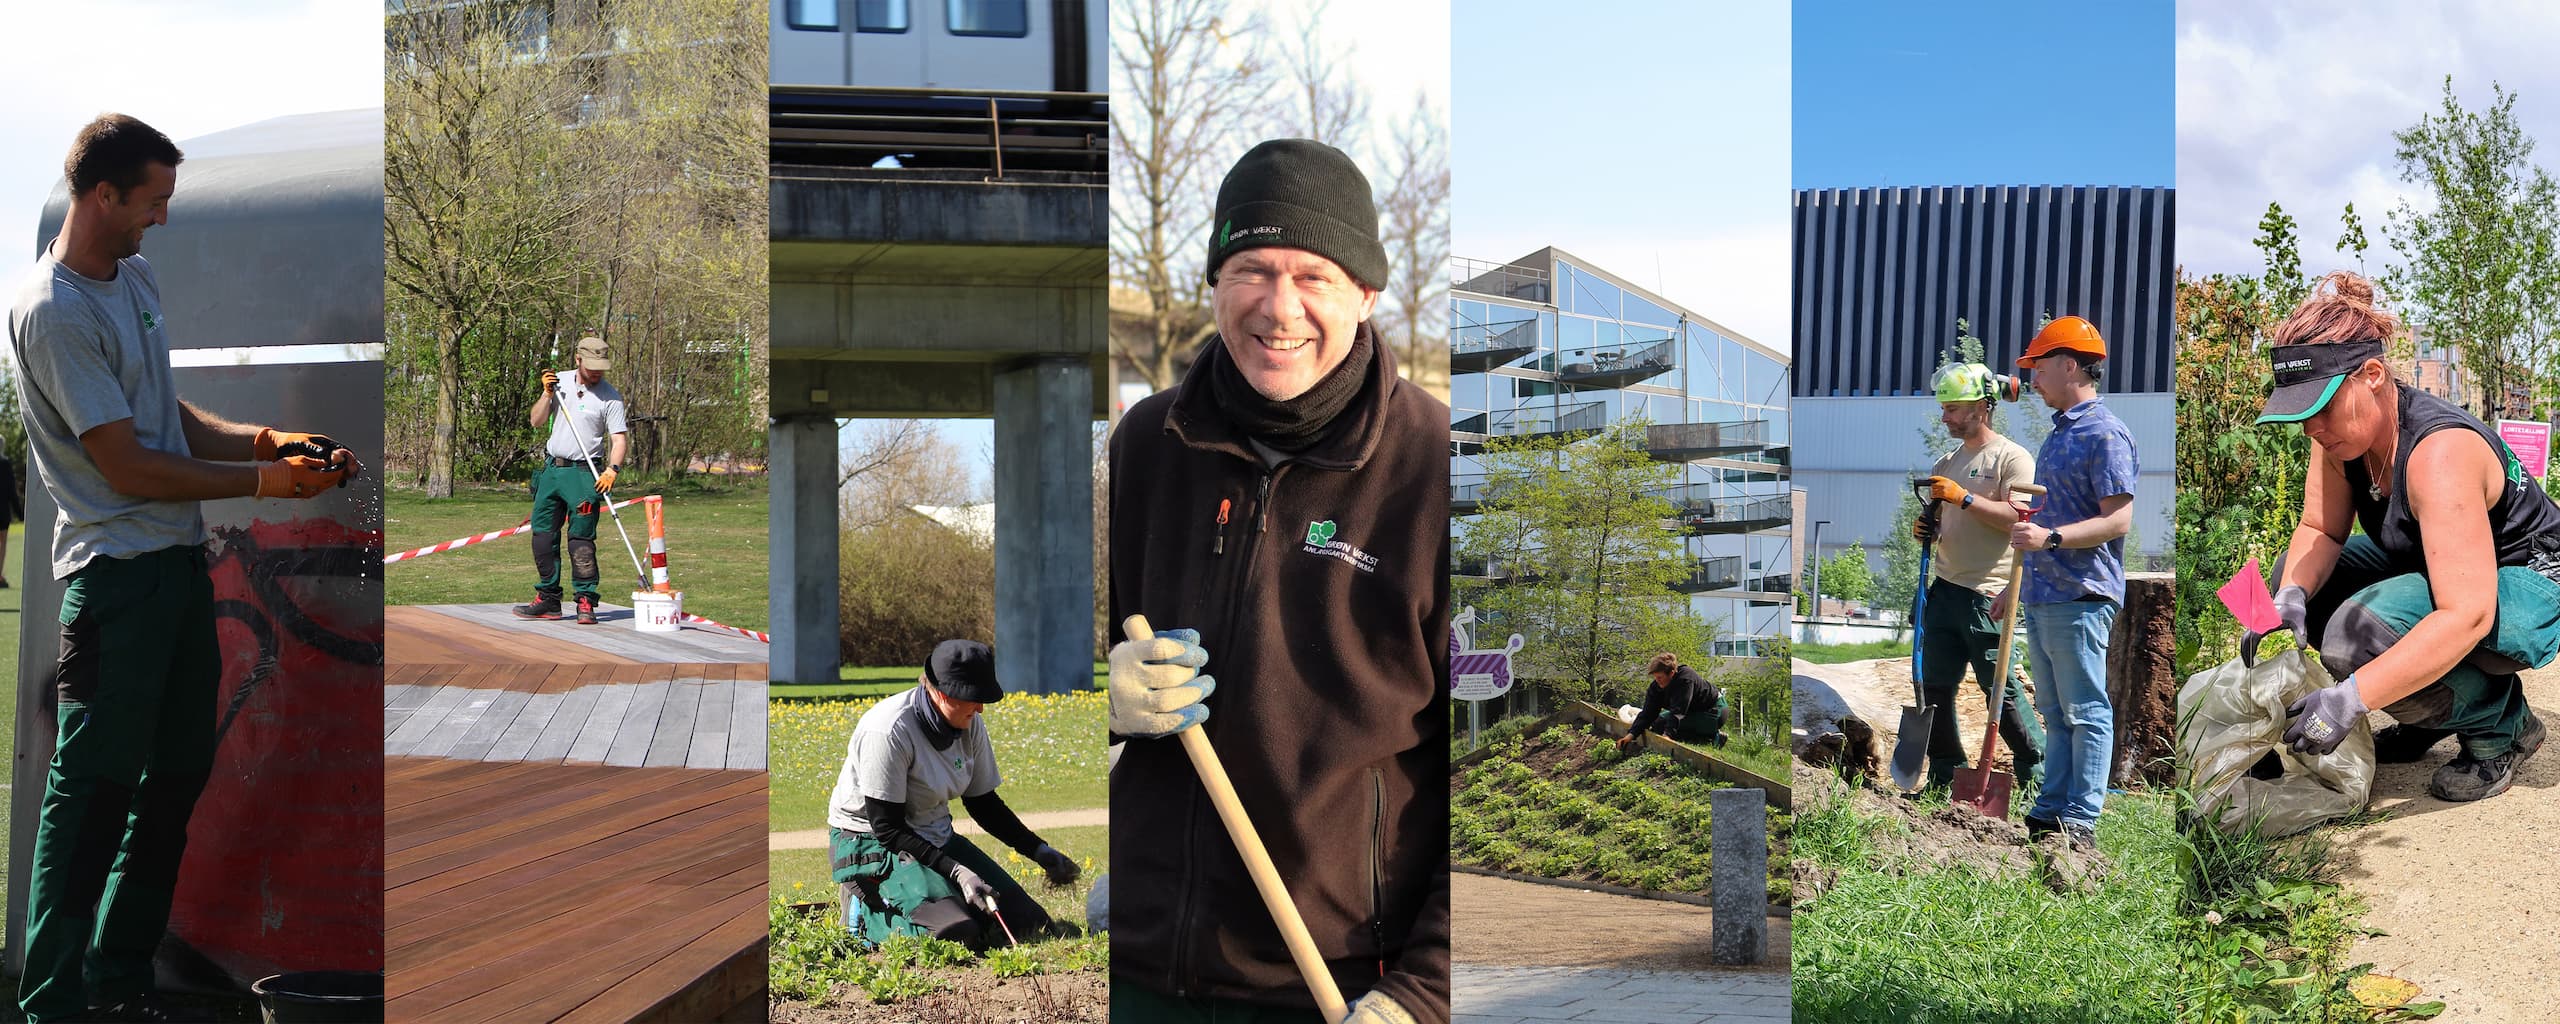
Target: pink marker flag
[{"x": 2246, "y": 596}]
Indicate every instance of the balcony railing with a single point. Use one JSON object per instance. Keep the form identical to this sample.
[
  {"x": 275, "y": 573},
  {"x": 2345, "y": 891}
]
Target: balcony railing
[
  {"x": 1681, "y": 442},
  {"x": 1475, "y": 348},
  {"x": 1721, "y": 573},
  {"x": 1616, "y": 365},
  {"x": 1503, "y": 279},
  {"x": 1699, "y": 512}
]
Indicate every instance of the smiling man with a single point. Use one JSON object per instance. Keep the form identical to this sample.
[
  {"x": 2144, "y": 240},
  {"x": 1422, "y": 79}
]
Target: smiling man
[
  {"x": 1287, "y": 507},
  {"x": 126, "y": 463}
]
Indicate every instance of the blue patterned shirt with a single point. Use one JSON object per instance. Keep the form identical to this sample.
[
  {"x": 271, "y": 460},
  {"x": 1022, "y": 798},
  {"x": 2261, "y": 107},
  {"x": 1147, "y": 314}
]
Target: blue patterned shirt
[{"x": 2088, "y": 457}]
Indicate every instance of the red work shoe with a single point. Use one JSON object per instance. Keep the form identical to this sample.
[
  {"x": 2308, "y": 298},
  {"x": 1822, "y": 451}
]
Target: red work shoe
[
  {"x": 543, "y": 607},
  {"x": 586, "y": 610}
]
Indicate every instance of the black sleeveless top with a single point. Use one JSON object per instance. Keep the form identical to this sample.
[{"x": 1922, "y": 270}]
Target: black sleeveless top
[{"x": 2522, "y": 513}]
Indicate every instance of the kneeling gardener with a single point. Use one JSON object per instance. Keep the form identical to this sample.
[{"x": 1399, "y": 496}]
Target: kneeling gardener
[{"x": 899, "y": 866}]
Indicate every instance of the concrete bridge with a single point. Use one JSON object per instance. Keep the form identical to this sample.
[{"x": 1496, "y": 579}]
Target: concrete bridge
[{"x": 904, "y": 293}]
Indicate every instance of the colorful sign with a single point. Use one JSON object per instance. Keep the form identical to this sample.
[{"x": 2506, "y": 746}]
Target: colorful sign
[
  {"x": 2531, "y": 442},
  {"x": 1474, "y": 674}
]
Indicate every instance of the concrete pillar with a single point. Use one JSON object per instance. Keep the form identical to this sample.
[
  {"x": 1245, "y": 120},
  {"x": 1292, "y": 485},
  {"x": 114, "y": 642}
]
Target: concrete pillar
[
  {"x": 802, "y": 509},
  {"x": 1044, "y": 524},
  {"x": 1739, "y": 874}
]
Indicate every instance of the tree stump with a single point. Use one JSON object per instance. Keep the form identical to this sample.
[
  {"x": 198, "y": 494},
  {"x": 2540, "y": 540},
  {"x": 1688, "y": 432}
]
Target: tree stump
[{"x": 2140, "y": 684}]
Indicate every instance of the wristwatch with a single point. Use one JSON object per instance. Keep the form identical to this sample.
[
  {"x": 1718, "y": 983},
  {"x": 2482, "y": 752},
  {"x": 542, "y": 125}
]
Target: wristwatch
[
  {"x": 1967, "y": 502},
  {"x": 2053, "y": 540}
]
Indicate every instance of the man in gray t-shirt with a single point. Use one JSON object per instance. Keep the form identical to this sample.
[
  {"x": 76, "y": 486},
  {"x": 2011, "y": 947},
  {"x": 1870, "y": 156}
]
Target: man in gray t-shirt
[
  {"x": 126, "y": 463},
  {"x": 901, "y": 867},
  {"x": 579, "y": 465}
]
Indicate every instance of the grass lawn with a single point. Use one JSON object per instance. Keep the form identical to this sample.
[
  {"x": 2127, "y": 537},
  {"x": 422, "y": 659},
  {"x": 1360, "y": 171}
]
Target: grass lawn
[
  {"x": 1953, "y": 944},
  {"x": 1833, "y": 654},
  {"x": 716, "y": 546},
  {"x": 1050, "y": 750}
]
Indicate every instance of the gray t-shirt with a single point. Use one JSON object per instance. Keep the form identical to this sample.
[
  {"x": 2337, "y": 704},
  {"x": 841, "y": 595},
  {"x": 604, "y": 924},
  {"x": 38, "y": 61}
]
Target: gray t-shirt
[
  {"x": 889, "y": 759},
  {"x": 90, "y": 353},
  {"x": 599, "y": 416}
]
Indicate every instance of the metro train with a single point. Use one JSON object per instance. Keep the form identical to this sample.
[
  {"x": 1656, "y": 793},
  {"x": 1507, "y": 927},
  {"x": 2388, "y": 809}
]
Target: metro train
[{"x": 1017, "y": 45}]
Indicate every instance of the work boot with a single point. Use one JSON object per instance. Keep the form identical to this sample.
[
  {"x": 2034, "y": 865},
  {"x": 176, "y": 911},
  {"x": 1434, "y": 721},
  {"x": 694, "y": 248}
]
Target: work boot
[
  {"x": 586, "y": 610},
  {"x": 2402, "y": 744},
  {"x": 544, "y": 606},
  {"x": 2038, "y": 828},
  {"x": 2084, "y": 838},
  {"x": 2467, "y": 778}
]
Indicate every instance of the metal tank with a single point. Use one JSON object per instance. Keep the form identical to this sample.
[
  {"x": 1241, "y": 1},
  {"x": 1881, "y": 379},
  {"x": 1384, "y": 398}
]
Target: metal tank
[{"x": 271, "y": 275}]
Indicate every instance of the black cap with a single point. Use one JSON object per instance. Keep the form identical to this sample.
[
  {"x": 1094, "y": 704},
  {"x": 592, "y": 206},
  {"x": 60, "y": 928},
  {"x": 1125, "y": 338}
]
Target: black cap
[
  {"x": 964, "y": 670},
  {"x": 1301, "y": 194},
  {"x": 2307, "y": 376}
]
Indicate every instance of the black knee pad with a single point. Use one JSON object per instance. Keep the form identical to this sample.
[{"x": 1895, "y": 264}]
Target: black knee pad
[
  {"x": 582, "y": 559},
  {"x": 2355, "y": 635},
  {"x": 546, "y": 552},
  {"x": 946, "y": 918}
]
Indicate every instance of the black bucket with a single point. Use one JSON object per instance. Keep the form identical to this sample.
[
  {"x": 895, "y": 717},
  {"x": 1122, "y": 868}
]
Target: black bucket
[{"x": 320, "y": 997}]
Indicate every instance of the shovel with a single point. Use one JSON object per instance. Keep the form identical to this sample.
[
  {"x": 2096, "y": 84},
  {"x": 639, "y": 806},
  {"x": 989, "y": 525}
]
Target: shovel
[
  {"x": 1979, "y": 787},
  {"x": 1911, "y": 739}
]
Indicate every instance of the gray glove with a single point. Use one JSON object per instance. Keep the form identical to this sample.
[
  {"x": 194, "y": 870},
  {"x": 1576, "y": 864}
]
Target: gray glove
[
  {"x": 2293, "y": 610},
  {"x": 2322, "y": 717},
  {"x": 1378, "y": 1008},
  {"x": 1156, "y": 685},
  {"x": 974, "y": 890},
  {"x": 1062, "y": 868}
]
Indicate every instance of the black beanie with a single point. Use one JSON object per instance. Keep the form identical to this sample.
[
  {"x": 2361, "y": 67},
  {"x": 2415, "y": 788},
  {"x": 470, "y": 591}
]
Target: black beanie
[{"x": 1302, "y": 194}]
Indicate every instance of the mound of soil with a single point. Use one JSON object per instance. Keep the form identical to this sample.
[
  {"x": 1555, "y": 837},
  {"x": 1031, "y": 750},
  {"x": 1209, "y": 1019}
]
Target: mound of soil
[
  {"x": 977, "y": 997},
  {"x": 1946, "y": 837}
]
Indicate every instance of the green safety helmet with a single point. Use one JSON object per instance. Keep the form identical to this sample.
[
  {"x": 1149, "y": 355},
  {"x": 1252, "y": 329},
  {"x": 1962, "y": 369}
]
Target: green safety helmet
[{"x": 1970, "y": 382}]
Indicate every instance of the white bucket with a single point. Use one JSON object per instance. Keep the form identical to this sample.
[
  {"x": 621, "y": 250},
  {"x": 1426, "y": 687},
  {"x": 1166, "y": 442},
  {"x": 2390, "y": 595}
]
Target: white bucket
[{"x": 653, "y": 612}]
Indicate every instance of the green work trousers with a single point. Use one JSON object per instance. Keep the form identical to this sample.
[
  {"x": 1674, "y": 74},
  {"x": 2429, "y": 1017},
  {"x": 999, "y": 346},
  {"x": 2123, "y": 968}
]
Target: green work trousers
[
  {"x": 2367, "y": 605},
  {"x": 565, "y": 492},
  {"x": 1957, "y": 633},
  {"x": 138, "y": 679},
  {"x": 887, "y": 893}
]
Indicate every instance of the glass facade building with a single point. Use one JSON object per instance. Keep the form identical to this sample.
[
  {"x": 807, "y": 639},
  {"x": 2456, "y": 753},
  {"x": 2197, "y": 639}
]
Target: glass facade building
[{"x": 1549, "y": 345}]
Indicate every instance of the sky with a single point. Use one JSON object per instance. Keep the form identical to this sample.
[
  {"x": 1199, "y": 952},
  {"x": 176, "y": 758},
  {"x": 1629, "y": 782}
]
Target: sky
[
  {"x": 2013, "y": 92},
  {"x": 2295, "y": 103},
  {"x": 187, "y": 68},
  {"x": 1652, "y": 142}
]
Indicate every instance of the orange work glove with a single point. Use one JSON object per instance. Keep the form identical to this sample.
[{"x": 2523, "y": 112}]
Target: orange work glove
[
  {"x": 1947, "y": 490},
  {"x": 272, "y": 444},
  {"x": 604, "y": 480},
  {"x": 550, "y": 379},
  {"x": 301, "y": 476}
]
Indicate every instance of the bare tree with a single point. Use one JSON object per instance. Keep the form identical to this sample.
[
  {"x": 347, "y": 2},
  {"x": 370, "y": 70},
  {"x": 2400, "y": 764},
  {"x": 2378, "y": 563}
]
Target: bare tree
[
  {"x": 1328, "y": 105},
  {"x": 1188, "y": 78},
  {"x": 891, "y": 466},
  {"x": 1415, "y": 213}
]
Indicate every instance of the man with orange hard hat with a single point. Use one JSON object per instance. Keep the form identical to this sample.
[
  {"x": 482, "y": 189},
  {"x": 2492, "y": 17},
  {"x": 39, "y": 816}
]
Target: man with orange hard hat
[{"x": 2074, "y": 551}]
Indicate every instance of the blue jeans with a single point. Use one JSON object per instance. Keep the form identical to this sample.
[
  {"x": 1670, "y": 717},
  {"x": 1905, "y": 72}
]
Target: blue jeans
[{"x": 2067, "y": 652}]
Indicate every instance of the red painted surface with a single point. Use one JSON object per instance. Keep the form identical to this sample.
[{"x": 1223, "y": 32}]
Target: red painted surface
[{"x": 283, "y": 870}]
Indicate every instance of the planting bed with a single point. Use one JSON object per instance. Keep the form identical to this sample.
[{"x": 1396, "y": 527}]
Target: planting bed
[
  {"x": 819, "y": 973},
  {"x": 1563, "y": 805}
]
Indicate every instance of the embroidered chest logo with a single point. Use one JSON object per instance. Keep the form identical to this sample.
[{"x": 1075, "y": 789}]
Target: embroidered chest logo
[
  {"x": 960, "y": 763},
  {"x": 150, "y": 320},
  {"x": 1320, "y": 542}
]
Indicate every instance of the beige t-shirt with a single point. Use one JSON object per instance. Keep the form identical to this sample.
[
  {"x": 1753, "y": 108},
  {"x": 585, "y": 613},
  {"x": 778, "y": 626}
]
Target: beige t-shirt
[{"x": 1970, "y": 554}]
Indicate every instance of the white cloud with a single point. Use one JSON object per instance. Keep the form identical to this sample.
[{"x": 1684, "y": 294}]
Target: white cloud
[{"x": 2296, "y": 102}]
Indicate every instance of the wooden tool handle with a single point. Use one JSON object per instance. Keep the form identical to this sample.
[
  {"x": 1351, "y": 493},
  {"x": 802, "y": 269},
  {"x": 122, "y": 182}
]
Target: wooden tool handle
[
  {"x": 2008, "y": 645},
  {"x": 1257, "y": 860}
]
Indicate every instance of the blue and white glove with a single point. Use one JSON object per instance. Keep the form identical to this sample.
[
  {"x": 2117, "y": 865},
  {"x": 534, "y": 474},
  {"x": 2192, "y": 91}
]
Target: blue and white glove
[
  {"x": 1156, "y": 685},
  {"x": 2322, "y": 717},
  {"x": 2293, "y": 609},
  {"x": 1378, "y": 1008}
]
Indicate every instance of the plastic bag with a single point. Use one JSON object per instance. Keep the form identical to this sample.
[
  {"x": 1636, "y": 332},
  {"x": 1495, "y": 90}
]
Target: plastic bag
[{"x": 2231, "y": 718}]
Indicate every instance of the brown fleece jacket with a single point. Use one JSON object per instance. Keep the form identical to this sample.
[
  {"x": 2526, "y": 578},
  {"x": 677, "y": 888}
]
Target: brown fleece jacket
[{"x": 1321, "y": 593}]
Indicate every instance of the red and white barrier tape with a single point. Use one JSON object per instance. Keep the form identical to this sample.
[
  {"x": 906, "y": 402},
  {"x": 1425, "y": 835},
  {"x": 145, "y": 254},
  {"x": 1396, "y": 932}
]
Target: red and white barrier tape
[
  {"x": 748, "y": 633},
  {"x": 464, "y": 542}
]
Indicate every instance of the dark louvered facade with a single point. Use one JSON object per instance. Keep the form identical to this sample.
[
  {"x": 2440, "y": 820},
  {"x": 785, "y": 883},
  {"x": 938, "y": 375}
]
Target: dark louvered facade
[{"x": 1882, "y": 275}]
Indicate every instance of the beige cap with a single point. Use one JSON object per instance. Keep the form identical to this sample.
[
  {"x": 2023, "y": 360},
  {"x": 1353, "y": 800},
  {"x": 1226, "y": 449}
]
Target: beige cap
[{"x": 592, "y": 355}]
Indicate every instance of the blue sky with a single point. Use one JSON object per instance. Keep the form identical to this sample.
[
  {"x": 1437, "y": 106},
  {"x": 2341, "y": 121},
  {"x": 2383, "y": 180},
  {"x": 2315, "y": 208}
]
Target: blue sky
[
  {"x": 1650, "y": 139},
  {"x": 2004, "y": 93}
]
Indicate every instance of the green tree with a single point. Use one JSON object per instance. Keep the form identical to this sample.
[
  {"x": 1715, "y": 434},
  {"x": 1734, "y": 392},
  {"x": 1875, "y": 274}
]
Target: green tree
[
  {"x": 2483, "y": 275},
  {"x": 2351, "y": 235},
  {"x": 1845, "y": 576},
  {"x": 1901, "y": 580},
  {"x": 2276, "y": 242},
  {"x": 1585, "y": 542}
]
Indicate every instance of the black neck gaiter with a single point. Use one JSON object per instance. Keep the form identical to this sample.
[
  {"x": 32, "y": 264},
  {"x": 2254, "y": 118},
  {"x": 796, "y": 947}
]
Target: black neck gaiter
[
  {"x": 929, "y": 721},
  {"x": 1297, "y": 424}
]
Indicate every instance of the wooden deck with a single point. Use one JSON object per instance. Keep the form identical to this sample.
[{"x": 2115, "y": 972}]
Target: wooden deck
[
  {"x": 534, "y": 892},
  {"x": 573, "y": 821}
]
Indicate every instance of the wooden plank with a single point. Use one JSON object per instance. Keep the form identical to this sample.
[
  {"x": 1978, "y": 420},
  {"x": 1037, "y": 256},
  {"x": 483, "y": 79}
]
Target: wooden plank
[
  {"x": 640, "y": 723},
  {"x": 710, "y": 741},
  {"x": 747, "y": 724},
  {"x": 429, "y": 714},
  {"x": 604, "y": 722},
  {"x": 526, "y": 727},
  {"x": 562, "y": 730},
  {"x": 483, "y": 734},
  {"x": 728, "y": 961},
  {"x": 674, "y": 736}
]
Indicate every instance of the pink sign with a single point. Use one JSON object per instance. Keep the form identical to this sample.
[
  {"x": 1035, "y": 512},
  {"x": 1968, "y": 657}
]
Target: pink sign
[
  {"x": 2531, "y": 442},
  {"x": 2246, "y": 596}
]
